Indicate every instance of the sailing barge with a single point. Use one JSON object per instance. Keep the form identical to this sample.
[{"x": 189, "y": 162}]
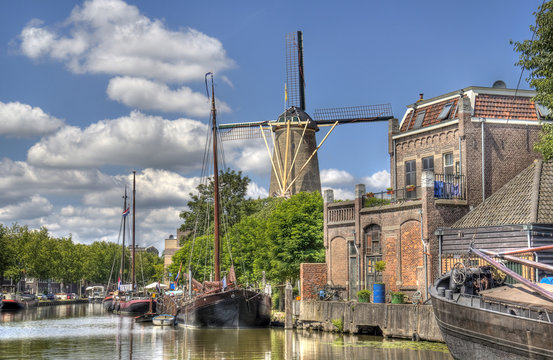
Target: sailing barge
[
  {"x": 218, "y": 305},
  {"x": 482, "y": 318}
]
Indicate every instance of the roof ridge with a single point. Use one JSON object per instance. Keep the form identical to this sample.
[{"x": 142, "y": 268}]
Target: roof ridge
[{"x": 535, "y": 194}]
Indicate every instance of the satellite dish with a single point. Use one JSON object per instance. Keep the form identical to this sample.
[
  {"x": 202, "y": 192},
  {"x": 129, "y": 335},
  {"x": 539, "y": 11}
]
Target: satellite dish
[{"x": 499, "y": 84}]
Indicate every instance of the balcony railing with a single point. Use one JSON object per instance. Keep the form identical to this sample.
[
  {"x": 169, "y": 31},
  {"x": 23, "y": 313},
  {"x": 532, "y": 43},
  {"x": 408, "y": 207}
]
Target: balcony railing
[
  {"x": 449, "y": 186},
  {"x": 392, "y": 196}
]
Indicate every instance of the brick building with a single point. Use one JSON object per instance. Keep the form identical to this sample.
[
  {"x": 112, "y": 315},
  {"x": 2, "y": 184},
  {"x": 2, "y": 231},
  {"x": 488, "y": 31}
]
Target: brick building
[{"x": 447, "y": 154}]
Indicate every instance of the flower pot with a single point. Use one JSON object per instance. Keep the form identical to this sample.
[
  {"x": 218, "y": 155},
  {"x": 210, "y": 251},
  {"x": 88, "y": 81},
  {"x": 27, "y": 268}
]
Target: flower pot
[
  {"x": 379, "y": 293},
  {"x": 390, "y": 192},
  {"x": 411, "y": 189},
  {"x": 397, "y": 298}
]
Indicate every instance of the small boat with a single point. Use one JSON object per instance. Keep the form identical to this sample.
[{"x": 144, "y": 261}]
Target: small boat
[
  {"x": 127, "y": 301},
  {"x": 482, "y": 318},
  {"x": 144, "y": 318},
  {"x": 164, "y": 320}
]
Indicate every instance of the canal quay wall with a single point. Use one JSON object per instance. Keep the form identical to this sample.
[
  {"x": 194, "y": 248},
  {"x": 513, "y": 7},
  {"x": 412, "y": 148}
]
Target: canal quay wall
[
  {"x": 62, "y": 302},
  {"x": 408, "y": 321}
]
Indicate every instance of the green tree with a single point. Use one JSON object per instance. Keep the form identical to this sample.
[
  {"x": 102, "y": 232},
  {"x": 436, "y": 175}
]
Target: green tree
[
  {"x": 536, "y": 55},
  {"x": 545, "y": 143},
  {"x": 295, "y": 233},
  {"x": 232, "y": 190}
]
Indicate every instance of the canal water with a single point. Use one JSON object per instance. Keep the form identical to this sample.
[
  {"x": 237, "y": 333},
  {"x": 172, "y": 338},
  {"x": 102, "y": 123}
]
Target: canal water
[{"x": 84, "y": 331}]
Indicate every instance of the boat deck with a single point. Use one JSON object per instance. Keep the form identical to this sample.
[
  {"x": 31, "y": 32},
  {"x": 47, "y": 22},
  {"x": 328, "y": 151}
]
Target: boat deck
[{"x": 519, "y": 294}]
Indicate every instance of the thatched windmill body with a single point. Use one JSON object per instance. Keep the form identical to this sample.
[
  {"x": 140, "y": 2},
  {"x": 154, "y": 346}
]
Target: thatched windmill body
[{"x": 294, "y": 161}]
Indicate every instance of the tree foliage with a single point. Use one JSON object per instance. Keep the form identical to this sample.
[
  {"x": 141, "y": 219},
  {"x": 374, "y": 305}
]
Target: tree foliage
[
  {"x": 232, "y": 192},
  {"x": 36, "y": 254},
  {"x": 536, "y": 55},
  {"x": 275, "y": 237},
  {"x": 545, "y": 143}
]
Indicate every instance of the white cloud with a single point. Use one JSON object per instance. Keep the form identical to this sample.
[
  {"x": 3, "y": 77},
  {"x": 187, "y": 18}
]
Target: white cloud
[
  {"x": 113, "y": 37},
  {"x": 341, "y": 194},
  {"x": 255, "y": 191},
  {"x": 24, "y": 121},
  {"x": 137, "y": 140},
  {"x": 154, "y": 189},
  {"x": 17, "y": 177},
  {"x": 331, "y": 177},
  {"x": 148, "y": 95},
  {"x": 32, "y": 207},
  {"x": 377, "y": 181},
  {"x": 249, "y": 156}
]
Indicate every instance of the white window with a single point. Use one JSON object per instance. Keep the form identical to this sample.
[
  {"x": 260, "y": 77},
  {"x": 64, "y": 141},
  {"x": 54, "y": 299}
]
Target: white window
[{"x": 449, "y": 168}]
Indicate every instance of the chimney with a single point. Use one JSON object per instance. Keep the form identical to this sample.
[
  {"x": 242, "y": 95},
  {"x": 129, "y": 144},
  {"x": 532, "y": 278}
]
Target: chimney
[{"x": 421, "y": 97}]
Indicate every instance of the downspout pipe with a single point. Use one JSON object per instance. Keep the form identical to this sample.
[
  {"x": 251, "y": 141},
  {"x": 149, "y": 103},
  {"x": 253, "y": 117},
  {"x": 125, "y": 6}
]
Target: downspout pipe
[
  {"x": 425, "y": 257},
  {"x": 482, "y": 121},
  {"x": 358, "y": 262}
]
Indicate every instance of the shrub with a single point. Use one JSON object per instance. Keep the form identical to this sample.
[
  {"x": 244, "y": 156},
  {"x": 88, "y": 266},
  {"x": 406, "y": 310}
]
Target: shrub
[
  {"x": 338, "y": 324},
  {"x": 364, "y": 296}
]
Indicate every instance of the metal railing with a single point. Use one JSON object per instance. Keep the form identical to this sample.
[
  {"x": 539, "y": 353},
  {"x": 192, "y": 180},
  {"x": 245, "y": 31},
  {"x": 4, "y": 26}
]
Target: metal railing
[
  {"x": 391, "y": 196},
  {"x": 448, "y": 186}
]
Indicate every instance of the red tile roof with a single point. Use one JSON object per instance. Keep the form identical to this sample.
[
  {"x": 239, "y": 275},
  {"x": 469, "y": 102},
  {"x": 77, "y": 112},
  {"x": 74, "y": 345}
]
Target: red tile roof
[
  {"x": 488, "y": 106},
  {"x": 504, "y": 107},
  {"x": 431, "y": 115}
]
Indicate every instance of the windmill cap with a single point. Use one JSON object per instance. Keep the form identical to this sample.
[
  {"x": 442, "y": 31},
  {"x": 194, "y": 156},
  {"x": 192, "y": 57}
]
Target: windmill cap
[{"x": 297, "y": 115}]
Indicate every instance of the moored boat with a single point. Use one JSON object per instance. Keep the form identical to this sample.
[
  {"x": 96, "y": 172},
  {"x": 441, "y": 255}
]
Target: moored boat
[
  {"x": 482, "y": 318},
  {"x": 164, "y": 320},
  {"x": 12, "y": 305},
  {"x": 218, "y": 304}
]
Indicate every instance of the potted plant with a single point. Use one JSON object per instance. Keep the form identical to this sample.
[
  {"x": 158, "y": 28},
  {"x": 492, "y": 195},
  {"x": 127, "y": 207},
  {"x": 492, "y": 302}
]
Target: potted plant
[
  {"x": 379, "y": 289},
  {"x": 410, "y": 187},
  {"x": 364, "y": 296},
  {"x": 397, "y": 297},
  {"x": 370, "y": 194},
  {"x": 389, "y": 191}
]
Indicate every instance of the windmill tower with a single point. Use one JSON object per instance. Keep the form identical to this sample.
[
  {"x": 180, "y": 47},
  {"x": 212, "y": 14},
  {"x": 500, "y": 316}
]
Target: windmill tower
[{"x": 294, "y": 161}]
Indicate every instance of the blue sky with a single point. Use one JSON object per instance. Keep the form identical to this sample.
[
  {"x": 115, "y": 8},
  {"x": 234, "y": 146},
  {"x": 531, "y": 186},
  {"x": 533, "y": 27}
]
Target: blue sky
[{"x": 93, "y": 90}]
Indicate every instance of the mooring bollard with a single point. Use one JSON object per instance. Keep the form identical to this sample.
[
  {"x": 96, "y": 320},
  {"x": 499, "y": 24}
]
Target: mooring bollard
[{"x": 288, "y": 306}]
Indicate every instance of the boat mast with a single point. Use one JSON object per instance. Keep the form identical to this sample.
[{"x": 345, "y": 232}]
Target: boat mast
[
  {"x": 133, "y": 223},
  {"x": 124, "y": 227},
  {"x": 216, "y": 265}
]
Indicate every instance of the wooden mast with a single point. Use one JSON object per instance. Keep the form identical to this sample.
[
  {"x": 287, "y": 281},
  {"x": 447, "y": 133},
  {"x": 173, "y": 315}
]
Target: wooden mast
[
  {"x": 216, "y": 266},
  {"x": 122, "y": 269},
  {"x": 133, "y": 228}
]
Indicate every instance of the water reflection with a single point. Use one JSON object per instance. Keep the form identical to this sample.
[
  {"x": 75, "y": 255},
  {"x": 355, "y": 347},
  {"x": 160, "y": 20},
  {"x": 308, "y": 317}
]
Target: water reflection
[{"x": 85, "y": 331}]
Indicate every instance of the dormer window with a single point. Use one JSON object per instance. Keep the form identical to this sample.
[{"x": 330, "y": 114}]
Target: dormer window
[
  {"x": 445, "y": 111},
  {"x": 543, "y": 110},
  {"x": 419, "y": 119}
]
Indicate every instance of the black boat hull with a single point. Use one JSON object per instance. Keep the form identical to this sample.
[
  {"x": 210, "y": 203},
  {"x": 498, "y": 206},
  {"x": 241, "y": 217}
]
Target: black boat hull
[
  {"x": 475, "y": 333},
  {"x": 135, "y": 306},
  {"x": 236, "y": 308}
]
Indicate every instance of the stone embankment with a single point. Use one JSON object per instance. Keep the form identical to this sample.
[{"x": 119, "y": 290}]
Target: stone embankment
[{"x": 406, "y": 321}]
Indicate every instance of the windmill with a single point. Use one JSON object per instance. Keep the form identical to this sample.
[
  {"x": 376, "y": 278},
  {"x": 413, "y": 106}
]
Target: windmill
[{"x": 294, "y": 161}]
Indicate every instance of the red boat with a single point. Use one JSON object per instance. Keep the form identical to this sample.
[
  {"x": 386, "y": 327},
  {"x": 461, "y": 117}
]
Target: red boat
[{"x": 12, "y": 305}]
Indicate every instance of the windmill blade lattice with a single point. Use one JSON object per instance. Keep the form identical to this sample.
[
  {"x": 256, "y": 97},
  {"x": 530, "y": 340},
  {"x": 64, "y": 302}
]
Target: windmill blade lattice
[{"x": 344, "y": 115}]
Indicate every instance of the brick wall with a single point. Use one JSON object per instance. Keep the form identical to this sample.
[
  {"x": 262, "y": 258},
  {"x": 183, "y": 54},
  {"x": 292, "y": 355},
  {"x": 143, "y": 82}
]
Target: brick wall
[
  {"x": 411, "y": 253},
  {"x": 312, "y": 278},
  {"x": 338, "y": 262}
]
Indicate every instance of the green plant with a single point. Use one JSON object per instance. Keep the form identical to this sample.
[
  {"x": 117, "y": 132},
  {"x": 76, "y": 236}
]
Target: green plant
[
  {"x": 380, "y": 266},
  {"x": 364, "y": 296},
  {"x": 338, "y": 324}
]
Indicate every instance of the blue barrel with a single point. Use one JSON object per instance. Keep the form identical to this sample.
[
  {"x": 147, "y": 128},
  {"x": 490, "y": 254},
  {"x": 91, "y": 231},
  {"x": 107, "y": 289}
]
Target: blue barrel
[
  {"x": 379, "y": 293},
  {"x": 547, "y": 280}
]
